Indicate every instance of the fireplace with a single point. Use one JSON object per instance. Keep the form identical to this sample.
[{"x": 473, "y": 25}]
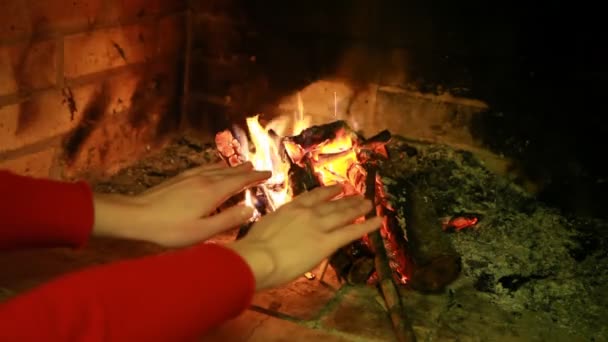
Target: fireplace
[{"x": 485, "y": 159}]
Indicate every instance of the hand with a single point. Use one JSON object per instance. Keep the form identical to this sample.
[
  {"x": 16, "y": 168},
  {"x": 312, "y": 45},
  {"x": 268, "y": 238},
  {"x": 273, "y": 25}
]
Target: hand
[
  {"x": 299, "y": 235},
  {"x": 177, "y": 213}
]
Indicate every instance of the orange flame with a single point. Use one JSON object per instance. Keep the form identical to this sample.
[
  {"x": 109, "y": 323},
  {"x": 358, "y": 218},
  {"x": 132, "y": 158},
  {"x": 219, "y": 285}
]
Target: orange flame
[
  {"x": 333, "y": 161},
  {"x": 266, "y": 157}
]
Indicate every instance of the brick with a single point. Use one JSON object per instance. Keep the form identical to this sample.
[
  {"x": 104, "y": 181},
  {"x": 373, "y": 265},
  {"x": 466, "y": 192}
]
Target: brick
[
  {"x": 122, "y": 116},
  {"x": 14, "y": 20},
  {"x": 170, "y": 6},
  {"x": 172, "y": 41},
  {"x": 360, "y": 313},
  {"x": 134, "y": 9},
  {"x": 70, "y": 15},
  {"x": 218, "y": 35},
  {"x": 219, "y": 76},
  {"x": 256, "y": 327},
  {"x": 100, "y": 50},
  {"x": 43, "y": 116},
  {"x": 302, "y": 299},
  {"x": 129, "y": 9},
  {"x": 215, "y": 7},
  {"x": 35, "y": 164},
  {"x": 59, "y": 15},
  {"x": 27, "y": 66},
  {"x": 424, "y": 117}
]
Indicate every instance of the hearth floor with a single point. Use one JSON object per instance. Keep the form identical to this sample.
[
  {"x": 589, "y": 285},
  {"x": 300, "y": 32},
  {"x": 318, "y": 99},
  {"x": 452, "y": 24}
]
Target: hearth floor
[
  {"x": 314, "y": 310},
  {"x": 305, "y": 310}
]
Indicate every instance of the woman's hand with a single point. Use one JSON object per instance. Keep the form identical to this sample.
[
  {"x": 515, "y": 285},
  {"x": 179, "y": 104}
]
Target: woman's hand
[
  {"x": 177, "y": 213},
  {"x": 299, "y": 235}
]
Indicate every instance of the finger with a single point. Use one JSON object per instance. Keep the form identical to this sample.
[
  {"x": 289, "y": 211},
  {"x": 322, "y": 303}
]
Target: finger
[
  {"x": 220, "y": 164},
  {"x": 318, "y": 195},
  {"x": 204, "y": 168},
  {"x": 227, "y": 219},
  {"x": 227, "y": 186},
  {"x": 245, "y": 167},
  {"x": 346, "y": 215},
  {"x": 186, "y": 174},
  {"x": 345, "y": 235},
  {"x": 337, "y": 205}
]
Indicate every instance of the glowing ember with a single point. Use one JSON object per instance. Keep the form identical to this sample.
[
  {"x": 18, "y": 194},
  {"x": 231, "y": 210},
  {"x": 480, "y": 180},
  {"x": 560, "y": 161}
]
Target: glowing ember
[{"x": 459, "y": 223}]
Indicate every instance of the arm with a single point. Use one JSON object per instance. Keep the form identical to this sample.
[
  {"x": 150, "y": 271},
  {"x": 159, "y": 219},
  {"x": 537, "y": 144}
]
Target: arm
[
  {"x": 40, "y": 212},
  {"x": 171, "y": 297},
  {"x": 179, "y": 294}
]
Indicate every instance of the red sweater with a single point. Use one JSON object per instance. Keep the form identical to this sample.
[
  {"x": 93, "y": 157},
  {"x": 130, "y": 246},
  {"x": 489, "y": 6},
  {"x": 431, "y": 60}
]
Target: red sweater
[{"x": 175, "y": 296}]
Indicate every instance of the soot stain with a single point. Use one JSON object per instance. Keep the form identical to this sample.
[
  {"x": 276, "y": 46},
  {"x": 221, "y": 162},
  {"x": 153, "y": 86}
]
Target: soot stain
[
  {"x": 68, "y": 99},
  {"x": 159, "y": 93},
  {"x": 91, "y": 117}
]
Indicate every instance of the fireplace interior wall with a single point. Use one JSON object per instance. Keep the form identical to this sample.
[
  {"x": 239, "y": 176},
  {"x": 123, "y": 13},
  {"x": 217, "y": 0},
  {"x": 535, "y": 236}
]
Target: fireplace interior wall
[
  {"x": 541, "y": 80},
  {"x": 90, "y": 86}
]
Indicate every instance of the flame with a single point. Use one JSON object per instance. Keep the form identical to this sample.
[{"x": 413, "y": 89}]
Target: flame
[
  {"x": 301, "y": 122},
  {"x": 266, "y": 157},
  {"x": 335, "y": 160}
]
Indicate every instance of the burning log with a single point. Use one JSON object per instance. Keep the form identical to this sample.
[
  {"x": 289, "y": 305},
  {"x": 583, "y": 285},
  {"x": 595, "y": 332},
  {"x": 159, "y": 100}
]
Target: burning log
[
  {"x": 354, "y": 263},
  {"x": 232, "y": 152},
  {"x": 229, "y": 148},
  {"x": 302, "y": 179},
  {"x": 434, "y": 261},
  {"x": 377, "y": 143},
  {"x": 402, "y": 328},
  {"x": 315, "y": 135}
]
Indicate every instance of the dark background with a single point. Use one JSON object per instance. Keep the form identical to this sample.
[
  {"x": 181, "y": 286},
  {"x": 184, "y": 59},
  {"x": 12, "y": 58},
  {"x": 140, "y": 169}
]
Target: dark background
[{"x": 540, "y": 65}]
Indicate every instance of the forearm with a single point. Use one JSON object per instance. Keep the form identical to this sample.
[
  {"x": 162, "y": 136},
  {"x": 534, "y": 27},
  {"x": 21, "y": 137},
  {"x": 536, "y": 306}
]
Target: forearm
[
  {"x": 41, "y": 212},
  {"x": 116, "y": 216},
  {"x": 177, "y": 296}
]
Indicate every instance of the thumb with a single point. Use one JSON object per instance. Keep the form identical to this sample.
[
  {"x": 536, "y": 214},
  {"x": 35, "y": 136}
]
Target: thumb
[{"x": 227, "y": 219}]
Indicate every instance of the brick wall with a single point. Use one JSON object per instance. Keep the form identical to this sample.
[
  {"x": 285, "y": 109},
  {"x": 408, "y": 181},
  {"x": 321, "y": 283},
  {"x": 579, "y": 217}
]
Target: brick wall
[
  {"x": 251, "y": 58},
  {"x": 87, "y": 86}
]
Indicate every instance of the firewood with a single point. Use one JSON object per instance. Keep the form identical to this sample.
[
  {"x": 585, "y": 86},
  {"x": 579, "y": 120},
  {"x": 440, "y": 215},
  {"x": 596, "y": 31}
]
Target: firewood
[
  {"x": 377, "y": 143},
  {"x": 302, "y": 179},
  {"x": 434, "y": 261},
  {"x": 315, "y": 135},
  {"x": 401, "y": 324},
  {"x": 229, "y": 148},
  {"x": 353, "y": 263}
]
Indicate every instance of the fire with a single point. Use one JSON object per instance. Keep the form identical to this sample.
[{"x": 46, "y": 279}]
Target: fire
[
  {"x": 330, "y": 154},
  {"x": 267, "y": 156},
  {"x": 333, "y": 159}
]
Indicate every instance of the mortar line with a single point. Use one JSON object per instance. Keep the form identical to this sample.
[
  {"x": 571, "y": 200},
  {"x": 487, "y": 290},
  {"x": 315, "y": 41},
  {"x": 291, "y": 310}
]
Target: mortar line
[
  {"x": 17, "y": 98},
  {"x": 37, "y": 146},
  {"x": 116, "y": 23}
]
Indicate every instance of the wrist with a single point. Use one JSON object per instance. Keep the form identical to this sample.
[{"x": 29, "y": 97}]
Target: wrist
[
  {"x": 114, "y": 215},
  {"x": 260, "y": 262}
]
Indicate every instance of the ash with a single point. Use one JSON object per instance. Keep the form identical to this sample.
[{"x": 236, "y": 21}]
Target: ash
[{"x": 528, "y": 272}]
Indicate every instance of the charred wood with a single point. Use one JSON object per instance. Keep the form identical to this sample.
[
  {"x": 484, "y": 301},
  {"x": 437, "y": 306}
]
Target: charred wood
[
  {"x": 434, "y": 261},
  {"x": 401, "y": 324}
]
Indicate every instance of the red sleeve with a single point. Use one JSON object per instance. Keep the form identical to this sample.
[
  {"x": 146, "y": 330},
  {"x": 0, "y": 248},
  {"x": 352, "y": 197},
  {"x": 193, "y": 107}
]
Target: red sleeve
[
  {"x": 175, "y": 296},
  {"x": 42, "y": 212}
]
